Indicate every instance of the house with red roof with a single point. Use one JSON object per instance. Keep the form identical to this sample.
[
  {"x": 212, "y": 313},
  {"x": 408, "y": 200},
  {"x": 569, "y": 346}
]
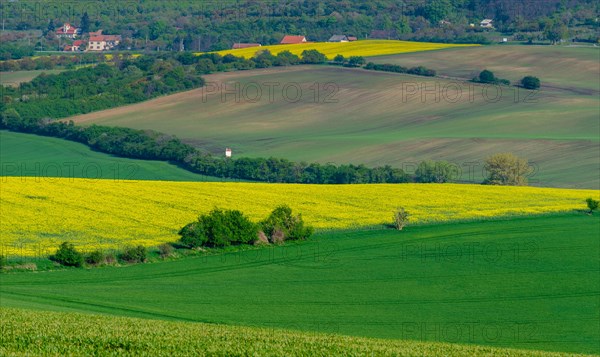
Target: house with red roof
[
  {"x": 67, "y": 30},
  {"x": 103, "y": 42},
  {"x": 76, "y": 46},
  {"x": 291, "y": 40}
]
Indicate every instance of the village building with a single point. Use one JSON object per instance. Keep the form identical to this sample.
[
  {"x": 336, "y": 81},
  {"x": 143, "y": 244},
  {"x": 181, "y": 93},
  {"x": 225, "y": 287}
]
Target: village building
[
  {"x": 338, "y": 38},
  {"x": 67, "y": 30},
  {"x": 352, "y": 38},
  {"x": 486, "y": 23},
  {"x": 291, "y": 40},
  {"x": 75, "y": 47},
  {"x": 103, "y": 42}
]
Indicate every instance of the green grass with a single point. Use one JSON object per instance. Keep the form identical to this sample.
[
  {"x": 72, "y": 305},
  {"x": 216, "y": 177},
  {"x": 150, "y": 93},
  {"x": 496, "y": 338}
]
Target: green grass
[
  {"x": 40, "y": 156},
  {"x": 528, "y": 283},
  {"x": 371, "y": 120},
  {"x": 27, "y": 332},
  {"x": 16, "y": 77}
]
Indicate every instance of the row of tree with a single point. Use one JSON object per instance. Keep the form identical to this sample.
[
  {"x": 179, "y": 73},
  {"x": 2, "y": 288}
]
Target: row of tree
[{"x": 203, "y": 26}]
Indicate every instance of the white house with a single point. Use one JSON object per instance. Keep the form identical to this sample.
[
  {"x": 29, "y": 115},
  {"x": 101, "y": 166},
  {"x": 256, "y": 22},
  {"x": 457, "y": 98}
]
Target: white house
[
  {"x": 103, "y": 42},
  {"x": 486, "y": 23}
]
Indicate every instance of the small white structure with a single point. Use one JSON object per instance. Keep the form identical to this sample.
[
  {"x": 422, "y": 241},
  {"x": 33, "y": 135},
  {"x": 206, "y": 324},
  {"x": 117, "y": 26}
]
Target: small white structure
[
  {"x": 504, "y": 39},
  {"x": 227, "y": 152},
  {"x": 486, "y": 23}
]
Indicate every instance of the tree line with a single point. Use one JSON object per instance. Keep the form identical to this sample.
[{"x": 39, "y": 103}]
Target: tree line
[{"x": 207, "y": 26}]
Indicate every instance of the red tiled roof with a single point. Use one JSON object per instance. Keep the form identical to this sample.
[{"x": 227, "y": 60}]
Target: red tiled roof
[
  {"x": 105, "y": 38},
  {"x": 293, "y": 39},
  {"x": 77, "y": 43},
  {"x": 70, "y": 31}
]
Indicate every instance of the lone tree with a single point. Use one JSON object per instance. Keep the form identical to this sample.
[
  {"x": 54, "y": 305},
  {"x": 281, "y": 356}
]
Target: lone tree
[
  {"x": 530, "y": 82},
  {"x": 506, "y": 169},
  {"x": 487, "y": 76},
  {"x": 592, "y": 205},
  {"x": 400, "y": 218}
]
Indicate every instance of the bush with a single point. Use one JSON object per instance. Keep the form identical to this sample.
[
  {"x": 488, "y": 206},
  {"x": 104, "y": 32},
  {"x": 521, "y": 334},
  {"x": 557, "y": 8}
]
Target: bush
[
  {"x": 313, "y": 57},
  {"x": 339, "y": 59},
  {"x": 283, "y": 225},
  {"x": 592, "y": 205},
  {"x": 400, "y": 218},
  {"x": 134, "y": 254},
  {"x": 356, "y": 61},
  {"x": 94, "y": 258},
  {"x": 486, "y": 76},
  {"x": 219, "y": 228},
  {"x": 67, "y": 255},
  {"x": 435, "y": 172},
  {"x": 165, "y": 250},
  {"x": 530, "y": 82},
  {"x": 506, "y": 169},
  {"x": 2, "y": 261}
]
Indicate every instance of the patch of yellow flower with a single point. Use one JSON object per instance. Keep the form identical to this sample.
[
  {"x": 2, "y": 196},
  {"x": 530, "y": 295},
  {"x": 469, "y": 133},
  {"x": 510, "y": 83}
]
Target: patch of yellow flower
[
  {"x": 38, "y": 214},
  {"x": 366, "y": 48}
]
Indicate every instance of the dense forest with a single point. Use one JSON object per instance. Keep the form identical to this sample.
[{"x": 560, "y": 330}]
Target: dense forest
[{"x": 214, "y": 25}]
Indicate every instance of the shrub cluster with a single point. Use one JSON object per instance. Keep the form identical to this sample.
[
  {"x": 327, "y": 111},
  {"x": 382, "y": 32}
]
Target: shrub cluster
[
  {"x": 488, "y": 77},
  {"x": 386, "y": 67},
  {"x": 67, "y": 255},
  {"x": 282, "y": 225},
  {"x": 221, "y": 228}
]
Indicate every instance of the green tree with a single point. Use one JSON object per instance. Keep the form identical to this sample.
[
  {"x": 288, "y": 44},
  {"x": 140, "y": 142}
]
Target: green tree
[
  {"x": 67, "y": 255},
  {"x": 219, "y": 228},
  {"x": 556, "y": 32},
  {"x": 435, "y": 172},
  {"x": 437, "y": 10},
  {"x": 506, "y": 169},
  {"x": 286, "y": 58},
  {"x": 205, "y": 66},
  {"x": 400, "y": 218},
  {"x": 136, "y": 254},
  {"x": 339, "y": 59},
  {"x": 487, "y": 76},
  {"x": 85, "y": 23},
  {"x": 592, "y": 205},
  {"x": 313, "y": 57},
  {"x": 530, "y": 82},
  {"x": 356, "y": 61},
  {"x": 282, "y": 222}
]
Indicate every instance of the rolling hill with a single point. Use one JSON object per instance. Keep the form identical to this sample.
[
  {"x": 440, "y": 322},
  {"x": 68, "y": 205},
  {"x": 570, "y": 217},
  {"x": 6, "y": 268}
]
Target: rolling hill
[
  {"x": 518, "y": 283},
  {"x": 45, "y": 158},
  {"x": 330, "y": 114}
]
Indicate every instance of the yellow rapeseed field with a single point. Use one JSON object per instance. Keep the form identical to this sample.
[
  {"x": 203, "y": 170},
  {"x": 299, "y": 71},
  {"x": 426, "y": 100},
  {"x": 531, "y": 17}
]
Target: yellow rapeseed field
[
  {"x": 364, "y": 48},
  {"x": 38, "y": 214}
]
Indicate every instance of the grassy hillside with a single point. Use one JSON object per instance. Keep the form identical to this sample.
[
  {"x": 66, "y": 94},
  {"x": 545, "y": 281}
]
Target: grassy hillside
[
  {"x": 372, "y": 117},
  {"x": 570, "y": 68},
  {"x": 347, "y": 49},
  {"x": 40, "y": 214},
  {"x": 40, "y": 156},
  {"x": 16, "y": 77},
  {"x": 522, "y": 283},
  {"x": 34, "y": 332}
]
